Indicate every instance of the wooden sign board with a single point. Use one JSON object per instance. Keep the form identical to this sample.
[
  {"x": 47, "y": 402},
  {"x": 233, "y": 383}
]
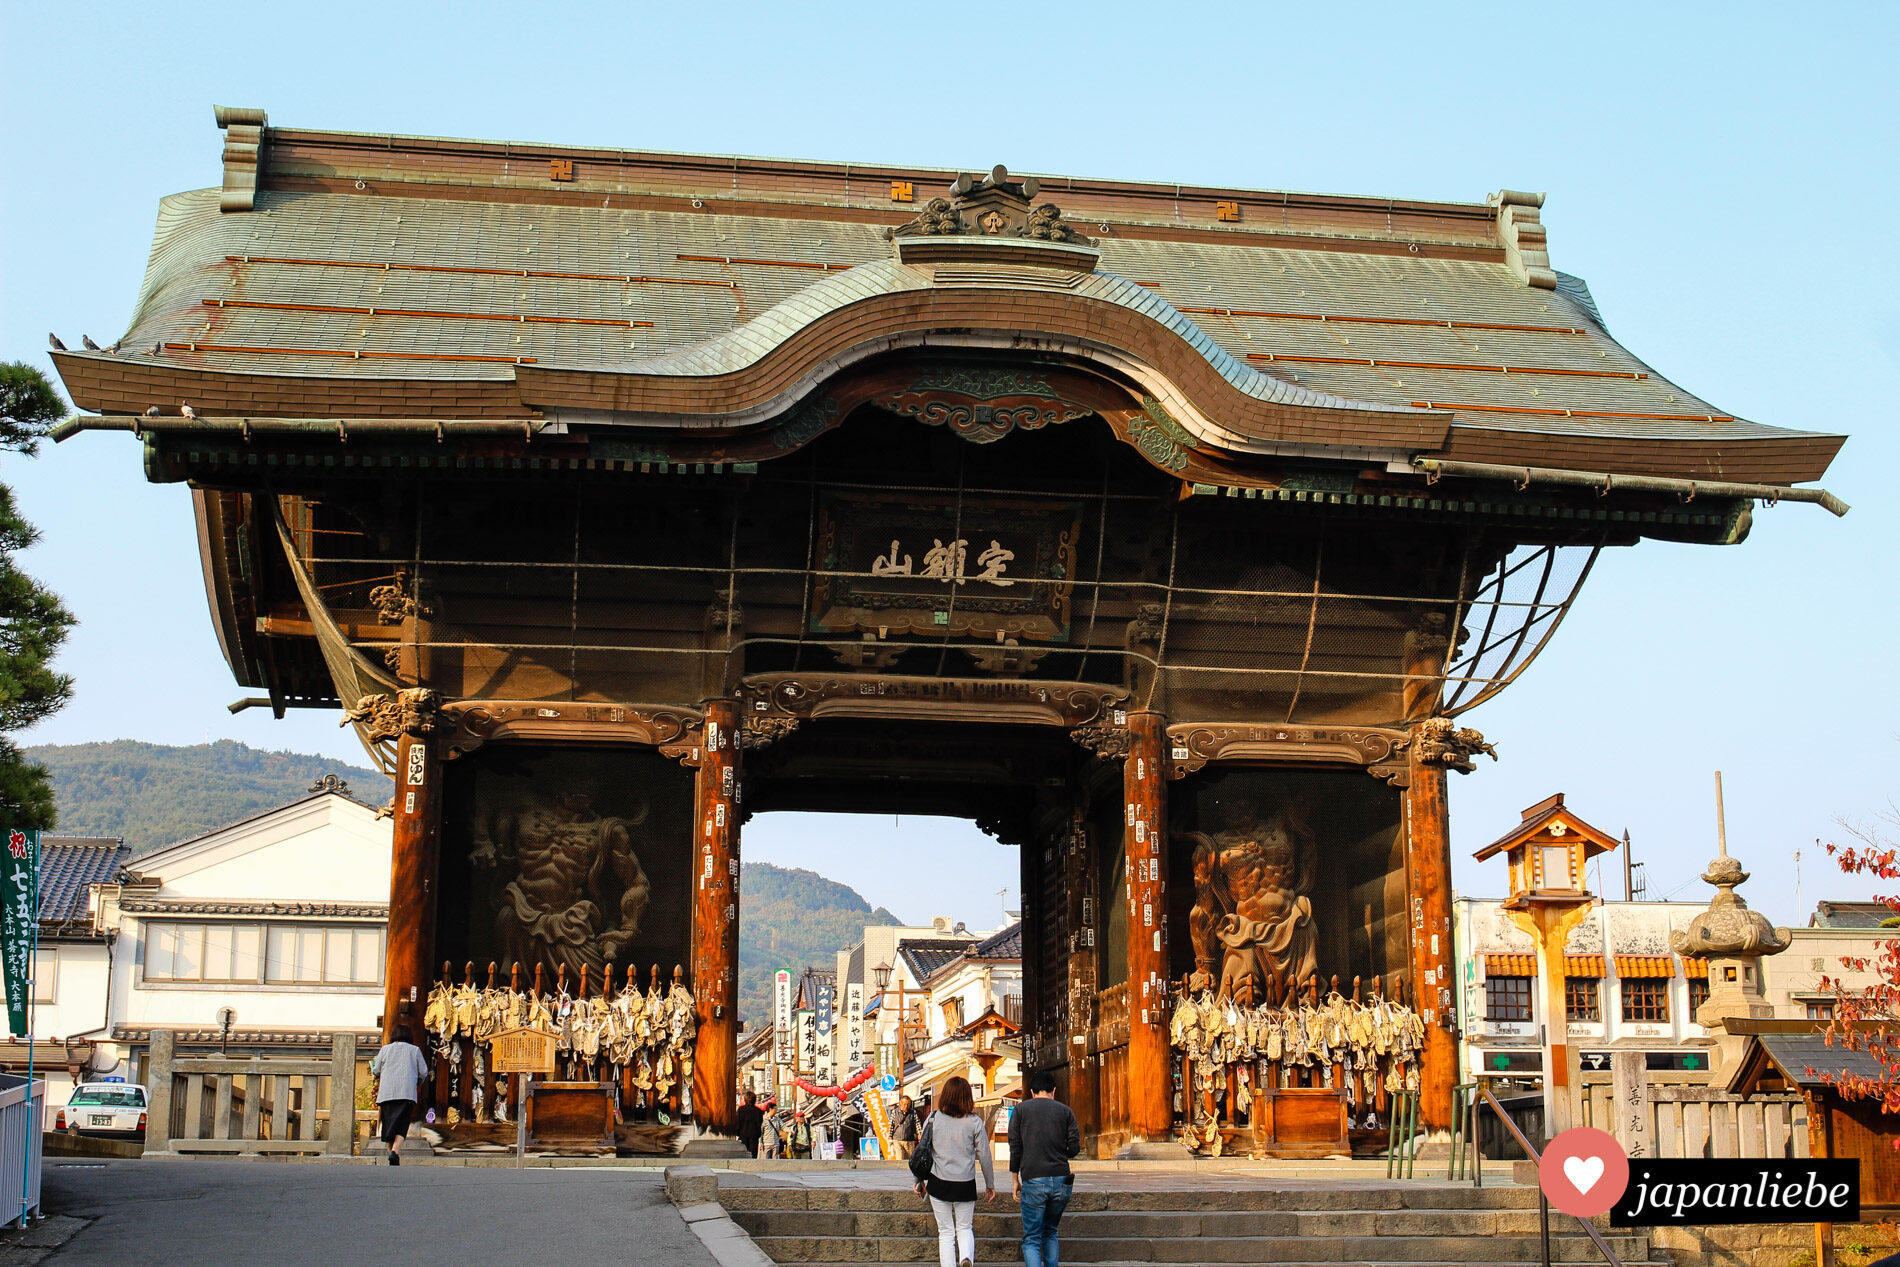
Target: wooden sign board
[{"x": 522, "y": 1051}]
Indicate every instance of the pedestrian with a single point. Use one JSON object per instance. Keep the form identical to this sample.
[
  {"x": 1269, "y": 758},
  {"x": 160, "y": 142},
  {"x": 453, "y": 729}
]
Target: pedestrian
[
  {"x": 750, "y": 1123},
  {"x": 801, "y": 1136},
  {"x": 1043, "y": 1135},
  {"x": 769, "y": 1136},
  {"x": 399, "y": 1069},
  {"x": 959, "y": 1143},
  {"x": 904, "y": 1128}
]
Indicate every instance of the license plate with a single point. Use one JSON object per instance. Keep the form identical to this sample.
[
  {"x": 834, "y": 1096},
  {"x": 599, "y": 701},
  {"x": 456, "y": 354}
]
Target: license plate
[{"x": 102, "y": 1119}]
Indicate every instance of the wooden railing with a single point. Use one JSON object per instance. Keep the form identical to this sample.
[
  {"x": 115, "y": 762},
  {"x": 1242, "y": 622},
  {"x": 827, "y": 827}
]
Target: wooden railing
[
  {"x": 232, "y": 1104},
  {"x": 1704, "y": 1121}
]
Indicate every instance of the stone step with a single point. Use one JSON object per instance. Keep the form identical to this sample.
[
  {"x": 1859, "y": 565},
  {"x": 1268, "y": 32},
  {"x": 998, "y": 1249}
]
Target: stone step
[
  {"x": 1151, "y": 1225},
  {"x": 1088, "y": 1199},
  {"x": 1215, "y": 1250}
]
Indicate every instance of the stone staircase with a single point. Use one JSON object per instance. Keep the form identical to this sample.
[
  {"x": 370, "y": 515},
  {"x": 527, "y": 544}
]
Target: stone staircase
[{"x": 1425, "y": 1225}]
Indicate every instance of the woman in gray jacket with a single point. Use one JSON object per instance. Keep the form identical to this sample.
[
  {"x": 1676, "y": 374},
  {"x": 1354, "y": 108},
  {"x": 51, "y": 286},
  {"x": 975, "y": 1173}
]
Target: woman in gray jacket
[{"x": 959, "y": 1143}]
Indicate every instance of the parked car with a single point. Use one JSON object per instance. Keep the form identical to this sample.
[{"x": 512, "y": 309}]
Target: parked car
[{"x": 115, "y": 1109}]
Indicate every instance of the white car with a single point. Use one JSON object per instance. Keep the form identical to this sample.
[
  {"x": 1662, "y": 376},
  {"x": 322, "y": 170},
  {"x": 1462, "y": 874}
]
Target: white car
[{"x": 104, "y": 1108}]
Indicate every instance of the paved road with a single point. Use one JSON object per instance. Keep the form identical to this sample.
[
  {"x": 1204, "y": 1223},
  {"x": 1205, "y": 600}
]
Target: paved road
[{"x": 210, "y": 1213}]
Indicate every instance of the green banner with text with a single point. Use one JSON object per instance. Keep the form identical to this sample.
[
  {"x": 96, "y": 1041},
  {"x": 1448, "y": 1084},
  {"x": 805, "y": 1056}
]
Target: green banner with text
[{"x": 19, "y": 919}]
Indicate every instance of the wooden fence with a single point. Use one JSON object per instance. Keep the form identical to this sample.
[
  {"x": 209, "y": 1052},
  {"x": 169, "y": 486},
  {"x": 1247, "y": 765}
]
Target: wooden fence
[
  {"x": 226, "y": 1104},
  {"x": 1703, "y": 1121}
]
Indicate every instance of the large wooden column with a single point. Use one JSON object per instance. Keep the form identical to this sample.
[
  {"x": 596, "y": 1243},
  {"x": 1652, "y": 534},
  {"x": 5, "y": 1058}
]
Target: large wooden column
[
  {"x": 415, "y": 855},
  {"x": 1428, "y": 916},
  {"x": 716, "y": 919},
  {"x": 1144, "y": 793}
]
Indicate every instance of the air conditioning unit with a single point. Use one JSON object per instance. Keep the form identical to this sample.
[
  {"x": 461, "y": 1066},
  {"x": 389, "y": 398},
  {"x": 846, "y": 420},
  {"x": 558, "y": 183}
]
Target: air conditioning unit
[{"x": 941, "y": 924}]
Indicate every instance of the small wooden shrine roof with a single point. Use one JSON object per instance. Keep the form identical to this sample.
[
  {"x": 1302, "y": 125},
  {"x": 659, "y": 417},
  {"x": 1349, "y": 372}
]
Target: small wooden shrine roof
[
  {"x": 370, "y": 276},
  {"x": 1537, "y": 818},
  {"x": 1795, "y": 1055}
]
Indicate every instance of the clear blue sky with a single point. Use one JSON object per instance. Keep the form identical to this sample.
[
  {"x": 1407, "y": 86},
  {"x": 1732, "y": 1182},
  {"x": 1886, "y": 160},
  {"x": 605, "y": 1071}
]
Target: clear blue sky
[{"x": 1722, "y": 175}]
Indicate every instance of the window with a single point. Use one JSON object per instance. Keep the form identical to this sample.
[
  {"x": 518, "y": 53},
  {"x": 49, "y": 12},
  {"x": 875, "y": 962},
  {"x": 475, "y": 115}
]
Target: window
[
  {"x": 1698, "y": 994},
  {"x": 287, "y": 954},
  {"x": 45, "y": 974},
  {"x": 1646, "y": 998},
  {"x": 1820, "y": 1011},
  {"x": 1556, "y": 864},
  {"x": 1583, "y": 999},
  {"x": 1507, "y": 999}
]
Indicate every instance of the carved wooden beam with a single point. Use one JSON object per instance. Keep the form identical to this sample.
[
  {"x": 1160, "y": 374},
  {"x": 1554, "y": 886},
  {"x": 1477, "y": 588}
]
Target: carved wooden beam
[
  {"x": 817, "y": 695},
  {"x": 468, "y": 724},
  {"x": 1192, "y": 745}
]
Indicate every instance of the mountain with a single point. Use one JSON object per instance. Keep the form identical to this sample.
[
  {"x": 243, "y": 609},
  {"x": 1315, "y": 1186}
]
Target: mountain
[
  {"x": 793, "y": 919},
  {"x": 154, "y": 795}
]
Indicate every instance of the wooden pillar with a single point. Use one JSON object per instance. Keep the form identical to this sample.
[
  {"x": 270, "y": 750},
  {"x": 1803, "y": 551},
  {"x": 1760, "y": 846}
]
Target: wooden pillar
[
  {"x": 1144, "y": 796},
  {"x": 716, "y": 919},
  {"x": 414, "y": 857},
  {"x": 1428, "y": 917},
  {"x": 1079, "y": 864}
]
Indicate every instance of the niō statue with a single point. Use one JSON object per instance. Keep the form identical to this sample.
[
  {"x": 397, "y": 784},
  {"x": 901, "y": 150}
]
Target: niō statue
[
  {"x": 571, "y": 889},
  {"x": 1252, "y": 919}
]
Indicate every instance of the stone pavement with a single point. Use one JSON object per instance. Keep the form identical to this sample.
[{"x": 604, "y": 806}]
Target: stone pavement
[{"x": 289, "y": 1214}]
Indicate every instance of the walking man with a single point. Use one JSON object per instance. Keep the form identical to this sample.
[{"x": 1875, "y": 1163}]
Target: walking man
[
  {"x": 399, "y": 1068},
  {"x": 1043, "y": 1135},
  {"x": 750, "y": 1123},
  {"x": 904, "y": 1128}
]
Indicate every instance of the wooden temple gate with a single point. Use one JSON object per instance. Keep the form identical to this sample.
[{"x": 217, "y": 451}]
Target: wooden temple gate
[{"x": 615, "y": 521}]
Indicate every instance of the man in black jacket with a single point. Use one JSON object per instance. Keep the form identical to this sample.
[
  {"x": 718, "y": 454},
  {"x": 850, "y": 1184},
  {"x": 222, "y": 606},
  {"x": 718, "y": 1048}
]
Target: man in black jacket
[
  {"x": 1043, "y": 1135},
  {"x": 750, "y": 1123}
]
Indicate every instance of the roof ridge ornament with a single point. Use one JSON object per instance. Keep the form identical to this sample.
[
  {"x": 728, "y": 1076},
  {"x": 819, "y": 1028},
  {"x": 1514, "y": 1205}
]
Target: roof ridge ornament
[
  {"x": 994, "y": 206},
  {"x": 1521, "y": 232},
  {"x": 243, "y": 154}
]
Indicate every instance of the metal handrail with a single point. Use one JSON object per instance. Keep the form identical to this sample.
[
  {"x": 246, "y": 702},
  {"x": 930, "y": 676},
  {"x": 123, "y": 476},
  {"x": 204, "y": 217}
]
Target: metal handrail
[
  {"x": 1401, "y": 1135},
  {"x": 1464, "y": 1137},
  {"x": 1530, "y": 1151}
]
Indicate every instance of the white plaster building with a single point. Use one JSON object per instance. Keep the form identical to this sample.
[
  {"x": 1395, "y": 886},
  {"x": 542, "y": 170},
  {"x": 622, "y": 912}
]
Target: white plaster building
[
  {"x": 1624, "y": 989},
  {"x": 975, "y": 1004},
  {"x": 1791, "y": 980},
  {"x": 279, "y": 917}
]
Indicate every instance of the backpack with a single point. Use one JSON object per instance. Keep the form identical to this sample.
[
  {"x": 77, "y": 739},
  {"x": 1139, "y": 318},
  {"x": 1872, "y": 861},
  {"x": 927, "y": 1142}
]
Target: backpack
[{"x": 923, "y": 1157}]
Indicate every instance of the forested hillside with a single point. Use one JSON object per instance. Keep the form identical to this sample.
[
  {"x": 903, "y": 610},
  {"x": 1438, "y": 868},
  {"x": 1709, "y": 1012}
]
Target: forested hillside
[
  {"x": 155, "y": 795},
  {"x": 791, "y": 919}
]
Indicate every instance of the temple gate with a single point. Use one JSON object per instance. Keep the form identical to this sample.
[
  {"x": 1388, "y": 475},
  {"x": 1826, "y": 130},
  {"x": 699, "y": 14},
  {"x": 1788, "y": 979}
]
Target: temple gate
[{"x": 1165, "y": 533}]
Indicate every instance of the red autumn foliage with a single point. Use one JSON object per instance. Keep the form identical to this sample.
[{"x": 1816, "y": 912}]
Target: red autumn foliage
[{"x": 1868, "y": 1019}]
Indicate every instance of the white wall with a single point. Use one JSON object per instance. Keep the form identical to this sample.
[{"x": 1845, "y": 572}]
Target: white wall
[{"x": 1791, "y": 979}]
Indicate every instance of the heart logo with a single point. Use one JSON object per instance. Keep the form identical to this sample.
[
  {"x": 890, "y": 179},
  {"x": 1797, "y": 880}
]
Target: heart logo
[{"x": 1583, "y": 1172}]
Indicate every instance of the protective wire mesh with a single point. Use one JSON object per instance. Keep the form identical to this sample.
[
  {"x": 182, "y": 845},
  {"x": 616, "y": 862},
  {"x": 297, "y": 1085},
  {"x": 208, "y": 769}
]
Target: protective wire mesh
[{"x": 673, "y": 597}]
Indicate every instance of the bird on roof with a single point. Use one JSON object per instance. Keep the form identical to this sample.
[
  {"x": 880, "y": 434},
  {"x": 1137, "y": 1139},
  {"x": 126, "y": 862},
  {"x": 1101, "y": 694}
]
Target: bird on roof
[
  {"x": 158, "y": 349},
  {"x": 57, "y": 345},
  {"x": 151, "y": 411},
  {"x": 187, "y": 410},
  {"x": 90, "y": 345},
  {"x": 114, "y": 349}
]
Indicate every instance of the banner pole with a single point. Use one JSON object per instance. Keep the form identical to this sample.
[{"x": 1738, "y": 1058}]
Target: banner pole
[{"x": 32, "y": 990}]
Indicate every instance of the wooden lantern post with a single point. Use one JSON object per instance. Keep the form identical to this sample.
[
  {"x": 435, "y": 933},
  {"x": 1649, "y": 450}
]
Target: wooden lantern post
[
  {"x": 1144, "y": 793},
  {"x": 716, "y": 919},
  {"x": 1548, "y": 853}
]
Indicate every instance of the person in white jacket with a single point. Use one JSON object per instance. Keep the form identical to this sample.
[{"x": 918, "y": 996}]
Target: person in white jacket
[
  {"x": 400, "y": 1069},
  {"x": 959, "y": 1143}
]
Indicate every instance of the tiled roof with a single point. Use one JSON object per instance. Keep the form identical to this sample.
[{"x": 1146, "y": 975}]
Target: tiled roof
[
  {"x": 69, "y": 866},
  {"x": 317, "y": 910},
  {"x": 1809, "y": 1060},
  {"x": 1005, "y": 944},
  {"x": 1851, "y": 914},
  {"x": 925, "y": 956},
  {"x": 437, "y": 262},
  {"x": 365, "y": 1038}
]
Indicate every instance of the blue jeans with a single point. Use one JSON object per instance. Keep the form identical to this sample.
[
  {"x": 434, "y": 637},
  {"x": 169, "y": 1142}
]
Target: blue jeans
[{"x": 1044, "y": 1200}]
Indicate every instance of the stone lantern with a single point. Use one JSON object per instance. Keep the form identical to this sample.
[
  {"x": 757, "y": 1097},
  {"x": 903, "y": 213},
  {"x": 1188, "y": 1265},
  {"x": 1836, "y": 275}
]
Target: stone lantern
[{"x": 1734, "y": 940}]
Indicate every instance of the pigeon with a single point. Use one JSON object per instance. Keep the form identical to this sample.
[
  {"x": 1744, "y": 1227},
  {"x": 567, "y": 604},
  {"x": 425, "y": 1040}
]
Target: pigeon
[
  {"x": 114, "y": 349},
  {"x": 187, "y": 410},
  {"x": 151, "y": 411},
  {"x": 90, "y": 345},
  {"x": 158, "y": 349},
  {"x": 57, "y": 345}
]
